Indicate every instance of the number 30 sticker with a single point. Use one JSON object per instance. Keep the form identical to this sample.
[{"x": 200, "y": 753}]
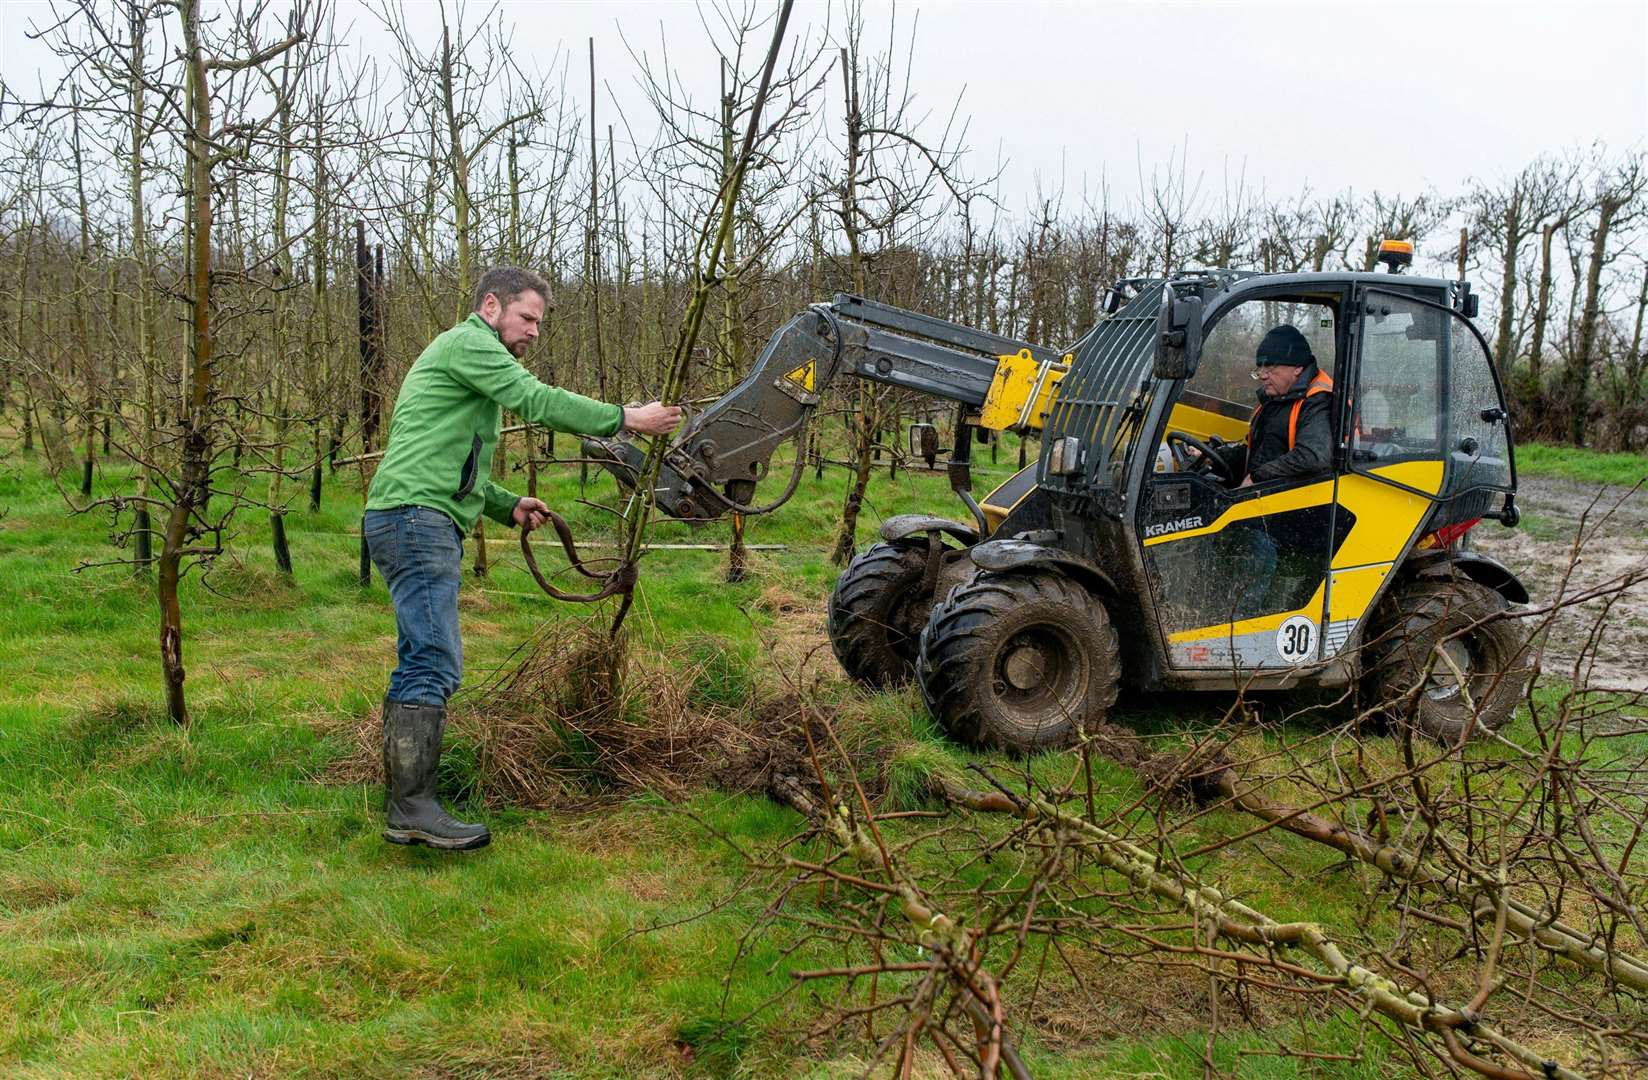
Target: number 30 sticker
[{"x": 1296, "y": 639}]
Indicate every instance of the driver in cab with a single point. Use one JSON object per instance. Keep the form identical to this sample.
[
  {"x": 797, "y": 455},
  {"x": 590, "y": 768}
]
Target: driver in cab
[{"x": 1290, "y": 435}]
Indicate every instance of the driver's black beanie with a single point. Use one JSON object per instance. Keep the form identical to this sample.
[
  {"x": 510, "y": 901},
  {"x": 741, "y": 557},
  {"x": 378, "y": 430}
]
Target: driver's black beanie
[{"x": 1284, "y": 345}]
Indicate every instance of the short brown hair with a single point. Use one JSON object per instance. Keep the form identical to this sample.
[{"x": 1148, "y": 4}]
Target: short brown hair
[{"x": 507, "y": 283}]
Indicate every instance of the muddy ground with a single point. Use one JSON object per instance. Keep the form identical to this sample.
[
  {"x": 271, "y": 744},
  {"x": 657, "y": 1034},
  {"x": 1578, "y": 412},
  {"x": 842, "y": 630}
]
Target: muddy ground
[{"x": 1610, "y": 525}]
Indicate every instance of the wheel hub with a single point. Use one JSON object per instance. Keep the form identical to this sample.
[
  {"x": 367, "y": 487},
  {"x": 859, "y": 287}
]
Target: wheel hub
[
  {"x": 1444, "y": 684},
  {"x": 1024, "y": 666}
]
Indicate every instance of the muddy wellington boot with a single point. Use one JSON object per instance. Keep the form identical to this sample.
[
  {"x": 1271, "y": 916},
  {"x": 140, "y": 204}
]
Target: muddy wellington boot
[{"x": 411, "y": 750}]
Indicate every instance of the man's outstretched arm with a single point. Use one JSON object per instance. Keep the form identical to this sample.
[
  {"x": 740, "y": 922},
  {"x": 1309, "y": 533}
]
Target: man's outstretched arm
[
  {"x": 507, "y": 508},
  {"x": 653, "y": 418}
]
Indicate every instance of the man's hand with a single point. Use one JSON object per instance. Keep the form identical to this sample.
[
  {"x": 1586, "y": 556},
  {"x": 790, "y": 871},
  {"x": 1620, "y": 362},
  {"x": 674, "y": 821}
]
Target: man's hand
[
  {"x": 654, "y": 418},
  {"x": 530, "y": 513}
]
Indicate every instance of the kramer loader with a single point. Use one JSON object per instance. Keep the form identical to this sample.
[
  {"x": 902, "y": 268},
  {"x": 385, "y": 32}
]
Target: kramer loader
[{"x": 1120, "y": 554}]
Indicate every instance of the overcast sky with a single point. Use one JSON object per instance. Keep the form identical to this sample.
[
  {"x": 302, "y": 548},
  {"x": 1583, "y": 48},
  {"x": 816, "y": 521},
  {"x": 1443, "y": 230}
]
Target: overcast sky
[{"x": 1334, "y": 95}]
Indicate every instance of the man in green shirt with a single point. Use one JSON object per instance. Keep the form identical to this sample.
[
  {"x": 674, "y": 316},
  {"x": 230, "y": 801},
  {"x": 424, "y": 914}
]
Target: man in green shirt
[{"x": 430, "y": 488}]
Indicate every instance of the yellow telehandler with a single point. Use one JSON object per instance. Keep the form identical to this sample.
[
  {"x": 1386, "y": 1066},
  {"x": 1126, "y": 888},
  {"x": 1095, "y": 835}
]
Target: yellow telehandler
[{"x": 1121, "y": 553}]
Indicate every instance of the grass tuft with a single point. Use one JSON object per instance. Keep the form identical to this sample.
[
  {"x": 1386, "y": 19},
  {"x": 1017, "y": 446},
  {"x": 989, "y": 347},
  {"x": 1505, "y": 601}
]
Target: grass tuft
[
  {"x": 254, "y": 585},
  {"x": 569, "y": 721},
  {"x": 722, "y": 678},
  {"x": 910, "y": 768},
  {"x": 91, "y": 734},
  {"x": 717, "y": 1044}
]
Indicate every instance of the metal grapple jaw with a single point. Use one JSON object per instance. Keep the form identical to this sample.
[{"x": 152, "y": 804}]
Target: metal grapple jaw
[
  {"x": 678, "y": 494},
  {"x": 618, "y": 456},
  {"x": 713, "y": 464}
]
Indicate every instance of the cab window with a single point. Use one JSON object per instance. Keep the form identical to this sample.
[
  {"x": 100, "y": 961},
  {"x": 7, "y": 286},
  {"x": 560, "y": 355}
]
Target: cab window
[
  {"x": 1396, "y": 404},
  {"x": 1222, "y": 394},
  {"x": 1426, "y": 390}
]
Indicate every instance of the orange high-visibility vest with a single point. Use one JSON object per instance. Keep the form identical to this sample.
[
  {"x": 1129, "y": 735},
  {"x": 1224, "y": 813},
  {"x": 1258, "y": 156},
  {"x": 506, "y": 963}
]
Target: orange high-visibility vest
[{"x": 1321, "y": 383}]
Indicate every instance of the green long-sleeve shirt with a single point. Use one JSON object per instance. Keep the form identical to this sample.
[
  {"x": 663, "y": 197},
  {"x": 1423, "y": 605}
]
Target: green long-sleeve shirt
[{"x": 447, "y": 420}]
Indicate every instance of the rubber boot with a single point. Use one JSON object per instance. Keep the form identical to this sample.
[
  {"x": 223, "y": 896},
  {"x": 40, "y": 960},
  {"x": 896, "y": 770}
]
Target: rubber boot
[{"x": 411, "y": 751}]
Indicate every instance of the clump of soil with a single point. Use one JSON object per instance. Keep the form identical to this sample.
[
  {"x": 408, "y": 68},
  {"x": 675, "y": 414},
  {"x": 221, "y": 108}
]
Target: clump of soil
[
  {"x": 774, "y": 759},
  {"x": 1121, "y": 745},
  {"x": 1194, "y": 777}
]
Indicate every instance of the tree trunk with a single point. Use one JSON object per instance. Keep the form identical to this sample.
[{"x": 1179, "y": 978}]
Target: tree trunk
[
  {"x": 193, "y": 419},
  {"x": 458, "y": 163},
  {"x": 320, "y": 319},
  {"x": 283, "y": 554},
  {"x": 846, "y": 541},
  {"x": 280, "y": 329},
  {"x": 20, "y": 243},
  {"x": 867, "y": 420},
  {"x": 315, "y": 473},
  {"x": 592, "y": 258},
  {"x": 737, "y": 554},
  {"x": 1542, "y": 306},
  {"x": 732, "y": 316},
  {"x": 1577, "y": 377},
  {"x": 1511, "y": 223},
  {"x": 88, "y": 413},
  {"x": 371, "y": 361}
]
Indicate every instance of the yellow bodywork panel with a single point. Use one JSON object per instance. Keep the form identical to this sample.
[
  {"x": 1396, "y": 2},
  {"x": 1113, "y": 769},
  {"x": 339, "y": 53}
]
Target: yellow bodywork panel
[
  {"x": 1290, "y": 499},
  {"x": 1204, "y": 423},
  {"x": 1012, "y": 491},
  {"x": 1016, "y": 379},
  {"x": 1386, "y": 519},
  {"x": 1353, "y": 590},
  {"x": 1312, "y": 608},
  {"x": 1386, "y": 516}
]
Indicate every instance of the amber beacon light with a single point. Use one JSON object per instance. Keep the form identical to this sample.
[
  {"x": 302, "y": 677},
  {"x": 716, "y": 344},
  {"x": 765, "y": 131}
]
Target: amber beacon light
[{"x": 1396, "y": 254}]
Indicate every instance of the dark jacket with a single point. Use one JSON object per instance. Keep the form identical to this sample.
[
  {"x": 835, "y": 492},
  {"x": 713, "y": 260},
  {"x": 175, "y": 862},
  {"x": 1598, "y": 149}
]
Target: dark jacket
[{"x": 1272, "y": 458}]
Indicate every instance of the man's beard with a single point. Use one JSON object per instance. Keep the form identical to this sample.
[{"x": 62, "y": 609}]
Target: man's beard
[{"x": 517, "y": 349}]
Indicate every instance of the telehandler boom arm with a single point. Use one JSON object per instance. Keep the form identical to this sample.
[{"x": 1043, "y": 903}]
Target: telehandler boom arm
[{"x": 713, "y": 465}]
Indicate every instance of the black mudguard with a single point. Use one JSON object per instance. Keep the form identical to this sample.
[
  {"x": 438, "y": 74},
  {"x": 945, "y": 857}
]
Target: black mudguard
[
  {"x": 904, "y": 526},
  {"x": 1482, "y": 569},
  {"x": 1005, "y": 556}
]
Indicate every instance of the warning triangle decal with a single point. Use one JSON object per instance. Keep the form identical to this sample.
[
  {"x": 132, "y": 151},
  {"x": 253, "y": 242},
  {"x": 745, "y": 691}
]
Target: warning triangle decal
[{"x": 804, "y": 375}]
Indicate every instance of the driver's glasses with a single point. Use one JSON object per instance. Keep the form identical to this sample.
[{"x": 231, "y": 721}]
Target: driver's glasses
[{"x": 1257, "y": 374}]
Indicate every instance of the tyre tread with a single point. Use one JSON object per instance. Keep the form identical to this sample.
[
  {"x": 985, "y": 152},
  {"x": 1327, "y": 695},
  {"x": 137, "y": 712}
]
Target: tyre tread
[{"x": 948, "y": 661}]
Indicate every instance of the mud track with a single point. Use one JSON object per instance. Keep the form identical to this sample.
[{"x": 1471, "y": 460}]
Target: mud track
[{"x": 1612, "y": 546}]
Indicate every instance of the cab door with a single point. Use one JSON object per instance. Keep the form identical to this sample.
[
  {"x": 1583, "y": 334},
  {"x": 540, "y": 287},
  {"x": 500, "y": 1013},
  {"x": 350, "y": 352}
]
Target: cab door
[
  {"x": 1238, "y": 576},
  {"x": 1426, "y": 439}
]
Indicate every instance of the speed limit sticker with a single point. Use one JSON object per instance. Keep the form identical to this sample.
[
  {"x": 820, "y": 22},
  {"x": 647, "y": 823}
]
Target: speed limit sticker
[{"x": 1296, "y": 639}]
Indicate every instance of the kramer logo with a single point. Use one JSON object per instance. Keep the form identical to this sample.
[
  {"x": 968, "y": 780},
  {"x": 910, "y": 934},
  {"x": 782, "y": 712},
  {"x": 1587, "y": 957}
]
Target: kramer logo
[{"x": 1162, "y": 528}]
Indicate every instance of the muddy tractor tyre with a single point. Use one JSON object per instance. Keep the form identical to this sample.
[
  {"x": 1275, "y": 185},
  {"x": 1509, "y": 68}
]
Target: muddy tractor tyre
[
  {"x": 1018, "y": 662},
  {"x": 1412, "y": 621},
  {"x": 877, "y": 610}
]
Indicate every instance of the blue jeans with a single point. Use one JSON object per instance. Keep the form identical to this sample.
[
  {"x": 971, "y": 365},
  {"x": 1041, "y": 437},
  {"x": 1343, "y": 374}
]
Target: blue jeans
[{"x": 419, "y": 552}]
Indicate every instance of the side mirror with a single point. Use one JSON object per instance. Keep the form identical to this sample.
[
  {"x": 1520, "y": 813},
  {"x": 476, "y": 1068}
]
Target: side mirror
[
  {"x": 1111, "y": 302},
  {"x": 924, "y": 442},
  {"x": 1466, "y": 302},
  {"x": 1178, "y": 335}
]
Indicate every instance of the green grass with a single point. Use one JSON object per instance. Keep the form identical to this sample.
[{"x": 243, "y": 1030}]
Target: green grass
[
  {"x": 1578, "y": 463},
  {"x": 199, "y": 902}
]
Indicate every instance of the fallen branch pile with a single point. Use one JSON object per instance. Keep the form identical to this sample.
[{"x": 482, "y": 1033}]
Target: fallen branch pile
[{"x": 1222, "y": 917}]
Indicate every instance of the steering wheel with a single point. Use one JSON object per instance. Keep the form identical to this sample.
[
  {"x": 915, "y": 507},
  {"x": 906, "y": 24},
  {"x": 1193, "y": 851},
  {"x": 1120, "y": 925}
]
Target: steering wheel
[{"x": 1210, "y": 460}]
